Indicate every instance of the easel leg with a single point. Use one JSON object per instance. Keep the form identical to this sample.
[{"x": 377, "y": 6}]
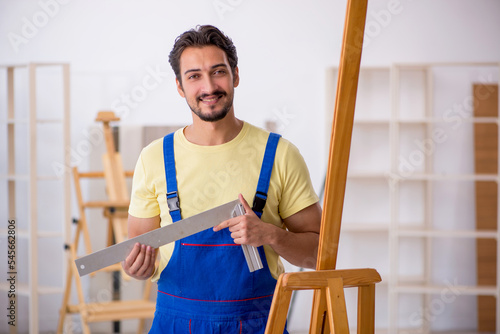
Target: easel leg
[
  {"x": 279, "y": 310},
  {"x": 65, "y": 303},
  {"x": 366, "y": 309},
  {"x": 319, "y": 318},
  {"x": 335, "y": 301},
  {"x": 79, "y": 290}
]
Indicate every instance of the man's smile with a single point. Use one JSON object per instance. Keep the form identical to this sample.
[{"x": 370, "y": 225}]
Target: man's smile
[{"x": 211, "y": 99}]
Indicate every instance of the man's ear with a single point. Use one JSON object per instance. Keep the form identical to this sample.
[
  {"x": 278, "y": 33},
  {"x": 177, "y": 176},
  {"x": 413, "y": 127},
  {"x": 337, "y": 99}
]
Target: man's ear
[
  {"x": 179, "y": 88},
  {"x": 236, "y": 77}
]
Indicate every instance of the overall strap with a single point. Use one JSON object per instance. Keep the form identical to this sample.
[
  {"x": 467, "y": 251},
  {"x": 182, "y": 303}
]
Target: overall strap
[
  {"x": 260, "y": 198},
  {"x": 170, "y": 174}
]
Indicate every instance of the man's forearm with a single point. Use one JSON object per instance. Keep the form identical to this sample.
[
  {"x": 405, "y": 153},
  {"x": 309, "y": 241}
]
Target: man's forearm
[{"x": 300, "y": 249}]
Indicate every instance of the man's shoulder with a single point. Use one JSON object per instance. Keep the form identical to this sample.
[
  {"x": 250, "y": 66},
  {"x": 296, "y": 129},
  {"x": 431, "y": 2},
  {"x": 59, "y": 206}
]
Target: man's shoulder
[
  {"x": 258, "y": 134},
  {"x": 152, "y": 149},
  {"x": 254, "y": 130}
]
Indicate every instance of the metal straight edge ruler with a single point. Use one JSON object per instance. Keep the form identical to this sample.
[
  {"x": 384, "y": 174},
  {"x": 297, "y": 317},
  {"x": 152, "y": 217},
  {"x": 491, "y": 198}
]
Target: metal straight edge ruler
[
  {"x": 167, "y": 234},
  {"x": 251, "y": 253}
]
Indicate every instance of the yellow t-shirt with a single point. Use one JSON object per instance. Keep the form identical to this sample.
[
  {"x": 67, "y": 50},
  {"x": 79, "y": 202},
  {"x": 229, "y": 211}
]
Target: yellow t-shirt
[{"x": 209, "y": 176}]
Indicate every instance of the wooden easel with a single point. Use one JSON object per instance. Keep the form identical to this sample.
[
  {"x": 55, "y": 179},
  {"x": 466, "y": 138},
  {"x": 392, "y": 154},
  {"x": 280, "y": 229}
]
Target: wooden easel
[
  {"x": 116, "y": 187},
  {"x": 115, "y": 211},
  {"x": 329, "y": 310}
]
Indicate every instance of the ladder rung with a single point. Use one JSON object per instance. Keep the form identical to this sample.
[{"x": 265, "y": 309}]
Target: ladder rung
[
  {"x": 104, "y": 204},
  {"x": 116, "y": 310}
]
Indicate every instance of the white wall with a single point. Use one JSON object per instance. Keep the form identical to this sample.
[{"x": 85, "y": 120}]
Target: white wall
[{"x": 284, "y": 48}]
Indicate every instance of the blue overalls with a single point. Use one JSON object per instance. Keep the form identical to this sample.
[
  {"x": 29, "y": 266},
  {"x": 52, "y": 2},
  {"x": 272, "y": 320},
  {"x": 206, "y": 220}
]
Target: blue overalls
[{"x": 206, "y": 286}]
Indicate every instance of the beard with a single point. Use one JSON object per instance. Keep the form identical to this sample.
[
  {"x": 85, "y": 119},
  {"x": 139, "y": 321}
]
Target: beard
[{"x": 214, "y": 115}]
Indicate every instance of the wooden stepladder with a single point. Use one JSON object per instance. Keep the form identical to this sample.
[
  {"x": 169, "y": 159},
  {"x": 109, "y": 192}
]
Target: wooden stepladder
[
  {"x": 116, "y": 187},
  {"x": 115, "y": 209},
  {"x": 329, "y": 309}
]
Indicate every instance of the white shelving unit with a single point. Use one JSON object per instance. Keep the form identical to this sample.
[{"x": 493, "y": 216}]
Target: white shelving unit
[
  {"x": 31, "y": 180},
  {"x": 393, "y": 218}
]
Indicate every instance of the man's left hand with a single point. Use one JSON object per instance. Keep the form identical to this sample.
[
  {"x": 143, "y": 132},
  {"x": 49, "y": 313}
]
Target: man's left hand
[{"x": 247, "y": 229}]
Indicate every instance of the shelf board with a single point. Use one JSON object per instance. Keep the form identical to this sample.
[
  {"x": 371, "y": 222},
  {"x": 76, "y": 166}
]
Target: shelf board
[
  {"x": 20, "y": 233},
  {"x": 25, "y": 177},
  {"x": 22, "y": 289},
  {"x": 49, "y": 121},
  {"x": 456, "y": 289},
  {"x": 372, "y": 121},
  {"x": 14, "y": 66},
  {"x": 364, "y": 227},
  {"x": 48, "y": 178},
  {"x": 446, "y": 233},
  {"x": 418, "y": 121},
  {"x": 492, "y": 120},
  {"x": 48, "y": 64},
  {"x": 416, "y": 330},
  {"x": 423, "y": 177},
  {"x": 411, "y": 280},
  {"x": 423, "y": 66},
  {"x": 368, "y": 175},
  {"x": 26, "y": 121},
  {"x": 15, "y": 121},
  {"x": 14, "y": 177},
  {"x": 449, "y": 177},
  {"x": 35, "y": 64},
  {"x": 483, "y": 120},
  {"x": 50, "y": 234}
]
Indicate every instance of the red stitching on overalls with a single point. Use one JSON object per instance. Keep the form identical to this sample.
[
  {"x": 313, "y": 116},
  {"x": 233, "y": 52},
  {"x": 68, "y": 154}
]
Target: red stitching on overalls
[
  {"x": 241, "y": 326},
  {"x": 189, "y": 326},
  {"x": 215, "y": 301},
  {"x": 208, "y": 245}
]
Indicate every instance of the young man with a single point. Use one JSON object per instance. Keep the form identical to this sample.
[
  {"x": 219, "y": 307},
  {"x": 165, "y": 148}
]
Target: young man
[{"x": 204, "y": 285}]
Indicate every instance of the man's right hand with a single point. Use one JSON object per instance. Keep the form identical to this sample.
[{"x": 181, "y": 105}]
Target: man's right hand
[{"x": 140, "y": 263}]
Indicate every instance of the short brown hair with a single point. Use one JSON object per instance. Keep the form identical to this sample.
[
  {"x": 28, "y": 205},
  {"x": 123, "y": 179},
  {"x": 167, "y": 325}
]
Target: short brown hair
[{"x": 202, "y": 35}]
